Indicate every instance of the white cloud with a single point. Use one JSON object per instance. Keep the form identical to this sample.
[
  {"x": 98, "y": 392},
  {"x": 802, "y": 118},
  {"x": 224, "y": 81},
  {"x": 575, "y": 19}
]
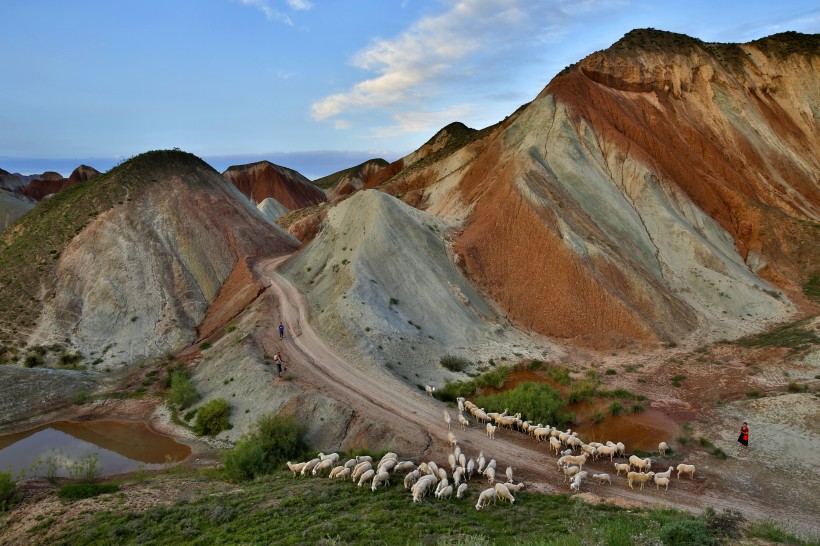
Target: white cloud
[
  {"x": 461, "y": 52},
  {"x": 271, "y": 13},
  {"x": 299, "y": 4},
  {"x": 423, "y": 120},
  {"x": 341, "y": 124}
]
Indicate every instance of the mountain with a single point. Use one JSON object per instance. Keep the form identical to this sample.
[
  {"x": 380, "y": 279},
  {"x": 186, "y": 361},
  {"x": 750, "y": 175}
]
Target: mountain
[
  {"x": 350, "y": 180},
  {"x": 125, "y": 265},
  {"x": 51, "y": 182},
  {"x": 258, "y": 181},
  {"x": 661, "y": 189},
  {"x": 12, "y": 207}
]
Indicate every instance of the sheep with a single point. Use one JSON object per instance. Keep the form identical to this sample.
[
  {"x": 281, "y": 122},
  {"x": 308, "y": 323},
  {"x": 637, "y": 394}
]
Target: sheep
[
  {"x": 481, "y": 463},
  {"x": 360, "y": 469},
  {"x": 343, "y": 473},
  {"x": 509, "y": 473},
  {"x": 622, "y": 467},
  {"x": 366, "y": 476},
  {"x": 491, "y": 464},
  {"x": 447, "y": 418},
  {"x": 592, "y": 450},
  {"x": 555, "y": 444},
  {"x": 335, "y": 471},
  {"x": 296, "y": 468},
  {"x": 388, "y": 456},
  {"x": 411, "y": 478},
  {"x": 503, "y": 492},
  {"x": 387, "y": 465},
  {"x": 433, "y": 467},
  {"x": 602, "y": 478},
  {"x": 541, "y": 433},
  {"x": 470, "y": 468},
  {"x": 486, "y": 496},
  {"x": 659, "y": 481},
  {"x": 424, "y": 468},
  {"x": 621, "y": 449},
  {"x": 462, "y": 489},
  {"x": 460, "y": 400},
  {"x": 451, "y": 460},
  {"x": 570, "y": 471},
  {"x": 333, "y": 456},
  {"x": 445, "y": 493},
  {"x": 462, "y": 460},
  {"x": 576, "y": 459},
  {"x": 326, "y": 464},
  {"x": 364, "y": 458},
  {"x": 639, "y": 477},
  {"x": 442, "y": 484},
  {"x": 430, "y": 389},
  {"x": 382, "y": 478},
  {"x": 442, "y": 474},
  {"x": 404, "y": 466},
  {"x": 457, "y": 475},
  {"x": 490, "y": 473},
  {"x": 421, "y": 487},
  {"x": 607, "y": 450},
  {"x": 310, "y": 465},
  {"x": 575, "y": 485},
  {"x": 491, "y": 431},
  {"x": 350, "y": 463},
  {"x": 667, "y": 474},
  {"x": 686, "y": 469},
  {"x": 515, "y": 487},
  {"x": 662, "y": 447},
  {"x": 451, "y": 440},
  {"x": 463, "y": 421},
  {"x": 640, "y": 464}
]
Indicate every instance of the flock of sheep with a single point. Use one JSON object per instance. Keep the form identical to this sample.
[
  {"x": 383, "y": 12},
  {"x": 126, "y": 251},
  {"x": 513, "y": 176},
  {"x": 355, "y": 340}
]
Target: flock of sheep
[{"x": 429, "y": 478}]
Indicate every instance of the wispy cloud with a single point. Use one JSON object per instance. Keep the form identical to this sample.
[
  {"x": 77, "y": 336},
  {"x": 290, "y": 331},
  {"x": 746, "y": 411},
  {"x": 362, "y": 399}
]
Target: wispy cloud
[
  {"x": 450, "y": 55},
  {"x": 299, "y": 4},
  {"x": 274, "y": 14}
]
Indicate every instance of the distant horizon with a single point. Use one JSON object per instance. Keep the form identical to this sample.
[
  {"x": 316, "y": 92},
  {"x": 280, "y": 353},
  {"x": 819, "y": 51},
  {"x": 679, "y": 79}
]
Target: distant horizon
[{"x": 312, "y": 164}]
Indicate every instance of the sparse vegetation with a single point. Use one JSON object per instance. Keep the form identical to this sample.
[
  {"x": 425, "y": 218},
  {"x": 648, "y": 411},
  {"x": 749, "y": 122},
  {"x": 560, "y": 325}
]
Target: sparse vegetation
[
  {"x": 455, "y": 363},
  {"x": 183, "y": 393},
  {"x": 494, "y": 378},
  {"x": 770, "y": 531},
  {"x": 274, "y": 441},
  {"x": 7, "y": 489},
  {"x": 77, "y": 491},
  {"x": 796, "y": 336}
]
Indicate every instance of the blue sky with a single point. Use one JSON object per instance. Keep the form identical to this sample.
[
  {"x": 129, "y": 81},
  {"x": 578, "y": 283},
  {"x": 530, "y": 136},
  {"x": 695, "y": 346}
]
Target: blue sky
[{"x": 313, "y": 85}]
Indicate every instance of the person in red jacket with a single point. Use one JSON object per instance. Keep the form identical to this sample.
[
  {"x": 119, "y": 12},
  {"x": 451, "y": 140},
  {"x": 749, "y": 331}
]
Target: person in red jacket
[{"x": 744, "y": 435}]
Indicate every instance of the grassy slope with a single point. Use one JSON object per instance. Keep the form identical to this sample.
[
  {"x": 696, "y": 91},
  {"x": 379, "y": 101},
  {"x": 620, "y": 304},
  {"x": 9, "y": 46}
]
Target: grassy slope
[
  {"x": 29, "y": 249},
  {"x": 284, "y": 510}
]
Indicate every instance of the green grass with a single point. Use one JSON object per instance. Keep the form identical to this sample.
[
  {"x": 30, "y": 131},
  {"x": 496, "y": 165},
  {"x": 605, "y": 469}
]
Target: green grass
[
  {"x": 283, "y": 510},
  {"x": 769, "y": 530},
  {"x": 795, "y": 336},
  {"x": 812, "y": 288},
  {"x": 538, "y": 402},
  {"x": 455, "y": 363},
  {"x": 76, "y": 491}
]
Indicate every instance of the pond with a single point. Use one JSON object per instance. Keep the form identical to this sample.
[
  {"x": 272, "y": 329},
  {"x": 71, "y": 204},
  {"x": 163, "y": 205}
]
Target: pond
[{"x": 62, "y": 448}]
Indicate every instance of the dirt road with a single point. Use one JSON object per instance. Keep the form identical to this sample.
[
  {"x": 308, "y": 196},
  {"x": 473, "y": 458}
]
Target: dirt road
[{"x": 375, "y": 394}]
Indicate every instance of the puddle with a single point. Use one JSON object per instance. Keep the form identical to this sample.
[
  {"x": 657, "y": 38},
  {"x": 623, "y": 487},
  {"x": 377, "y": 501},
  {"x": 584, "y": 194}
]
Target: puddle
[
  {"x": 642, "y": 431},
  {"x": 120, "y": 447}
]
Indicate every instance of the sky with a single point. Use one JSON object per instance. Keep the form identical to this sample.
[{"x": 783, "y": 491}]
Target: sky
[{"x": 313, "y": 85}]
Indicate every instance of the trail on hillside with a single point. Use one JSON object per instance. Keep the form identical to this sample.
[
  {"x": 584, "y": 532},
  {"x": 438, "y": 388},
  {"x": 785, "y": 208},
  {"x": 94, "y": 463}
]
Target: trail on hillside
[{"x": 373, "y": 393}]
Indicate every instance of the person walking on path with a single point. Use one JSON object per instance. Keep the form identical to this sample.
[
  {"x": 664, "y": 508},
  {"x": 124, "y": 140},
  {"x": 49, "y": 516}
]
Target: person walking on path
[
  {"x": 281, "y": 331},
  {"x": 278, "y": 361},
  {"x": 744, "y": 435}
]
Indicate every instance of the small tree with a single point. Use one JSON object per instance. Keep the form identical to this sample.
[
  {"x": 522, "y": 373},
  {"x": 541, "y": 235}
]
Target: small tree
[
  {"x": 212, "y": 418},
  {"x": 6, "y": 491},
  {"x": 274, "y": 441},
  {"x": 183, "y": 392}
]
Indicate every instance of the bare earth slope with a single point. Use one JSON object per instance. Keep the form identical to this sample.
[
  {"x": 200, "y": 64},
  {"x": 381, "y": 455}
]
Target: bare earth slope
[
  {"x": 12, "y": 207},
  {"x": 258, "y": 181}
]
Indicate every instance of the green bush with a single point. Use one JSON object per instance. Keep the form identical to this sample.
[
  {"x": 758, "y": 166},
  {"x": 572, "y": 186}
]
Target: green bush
[
  {"x": 455, "y": 363},
  {"x": 33, "y": 360},
  {"x": 212, "y": 418},
  {"x": 538, "y": 402},
  {"x": 6, "y": 491},
  {"x": 76, "y": 491},
  {"x": 274, "y": 441},
  {"x": 87, "y": 468},
  {"x": 688, "y": 532},
  {"x": 615, "y": 408},
  {"x": 183, "y": 393}
]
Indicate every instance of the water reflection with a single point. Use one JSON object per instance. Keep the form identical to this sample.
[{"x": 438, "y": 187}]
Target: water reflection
[{"x": 56, "y": 448}]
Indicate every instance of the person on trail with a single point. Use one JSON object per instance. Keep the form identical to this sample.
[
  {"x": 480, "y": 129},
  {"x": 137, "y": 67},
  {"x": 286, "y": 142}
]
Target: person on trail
[
  {"x": 744, "y": 435},
  {"x": 281, "y": 331},
  {"x": 278, "y": 361}
]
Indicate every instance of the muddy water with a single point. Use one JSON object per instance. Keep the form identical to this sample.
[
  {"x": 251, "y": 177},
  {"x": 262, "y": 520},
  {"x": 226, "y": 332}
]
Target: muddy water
[{"x": 121, "y": 447}]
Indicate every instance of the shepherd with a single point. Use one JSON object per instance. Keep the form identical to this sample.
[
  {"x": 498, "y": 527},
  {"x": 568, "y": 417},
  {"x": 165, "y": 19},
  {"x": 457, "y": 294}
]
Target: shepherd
[
  {"x": 744, "y": 435},
  {"x": 277, "y": 359}
]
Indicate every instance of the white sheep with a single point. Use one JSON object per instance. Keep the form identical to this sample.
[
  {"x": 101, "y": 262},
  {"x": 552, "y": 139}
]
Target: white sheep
[
  {"x": 389, "y": 456},
  {"x": 481, "y": 463},
  {"x": 343, "y": 473},
  {"x": 442, "y": 484},
  {"x": 470, "y": 468},
  {"x": 621, "y": 449},
  {"x": 382, "y": 478},
  {"x": 462, "y": 459},
  {"x": 503, "y": 492},
  {"x": 491, "y": 464},
  {"x": 451, "y": 440},
  {"x": 570, "y": 471},
  {"x": 576, "y": 459},
  {"x": 575, "y": 485},
  {"x": 485, "y": 498},
  {"x": 491, "y": 431},
  {"x": 333, "y": 456},
  {"x": 638, "y": 477},
  {"x": 360, "y": 469},
  {"x": 366, "y": 476},
  {"x": 445, "y": 493},
  {"x": 460, "y": 400},
  {"x": 541, "y": 433},
  {"x": 622, "y": 467},
  {"x": 296, "y": 468},
  {"x": 411, "y": 478},
  {"x": 421, "y": 487},
  {"x": 640, "y": 464},
  {"x": 686, "y": 469},
  {"x": 662, "y": 447},
  {"x": 451, "y": 460},
  {"x": 350, "y": 463},
  {"x": 509, "y": 473},
  {"x": 457, "y": 475},
  {"x": 433, "y": 467},
  {"x": 364, "y": 458},
  {"x": 430, "y": 389},
  {"x": 387, "y": 465},
  {"x": 607, "y": 450},
  {"x": 404, "y": 466},
  {"x": 463, "y": 421},
  {"x": 462, "y": 489},
  {"x": 602, "y": 478},
  {"x": 659, "y": 481},
  {"x": 335, "y": 471},
  {"x": 310, "y": 465},
  {"x": 490, "y": 473},
  {"x": 447, "y": 418},
  {"x": 555, "y": 444},
  {"x": 667, "y": 474},
  {"x": 326, "y": 464},
  {"x": 515, "y": 487},
  {"x": 442, "y": 474}
]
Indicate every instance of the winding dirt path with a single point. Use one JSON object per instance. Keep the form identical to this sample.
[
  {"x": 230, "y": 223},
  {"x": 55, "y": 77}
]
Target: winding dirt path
[{"x": 376, "y": 395}]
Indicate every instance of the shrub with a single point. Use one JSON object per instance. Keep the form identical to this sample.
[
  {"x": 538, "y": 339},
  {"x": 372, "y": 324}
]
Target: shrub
[
  {"x": 753, "y": 394},
  {"x": 274, "y": 441},
  {"x": 796, "y": 387},
  {"x": 81, "y": 397},
  {"x": 686, "y": 532},
  {"x": 611, "y": 371},
  {"x": 87, "y": 468},
  {"x": 454, "y": 363},
  {"x": 615, "y": 408},
  {"x": 212, "y": 418},
  {"x": 33, "y": 360},
  {"x": 536, "y": 402},
  {"x": 204, "y": 346},
  {"x": 70, "y": 360},
  {"x": 76, "y": 491},
  {"x": 6, "y": 491},
  {"x": 719, "y": 454},
  {"x": 183, "y": 393},
  {"x": 582, "y": 393},
  {"x": 597, "y": 416},
  {"x": 768, "y": 530}
]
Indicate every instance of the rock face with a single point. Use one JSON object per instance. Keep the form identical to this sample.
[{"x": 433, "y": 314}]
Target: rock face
[
  {"x": 51, "y": 182},
  {"x": 12, "y": 207},
  {"x": 351, "y": 180},
  {"x": 258, "y": 181},
  {"x": 164, "y": 231},
  {"x": 659, "y": 189}
]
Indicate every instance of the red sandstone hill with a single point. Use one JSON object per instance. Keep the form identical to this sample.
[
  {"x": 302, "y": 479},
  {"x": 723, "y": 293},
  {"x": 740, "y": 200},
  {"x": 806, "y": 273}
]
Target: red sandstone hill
[
  {"x": 263, "y": 179},
  {"x": 51, "y": 182},
  {"x": 663, "y": 188}
]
